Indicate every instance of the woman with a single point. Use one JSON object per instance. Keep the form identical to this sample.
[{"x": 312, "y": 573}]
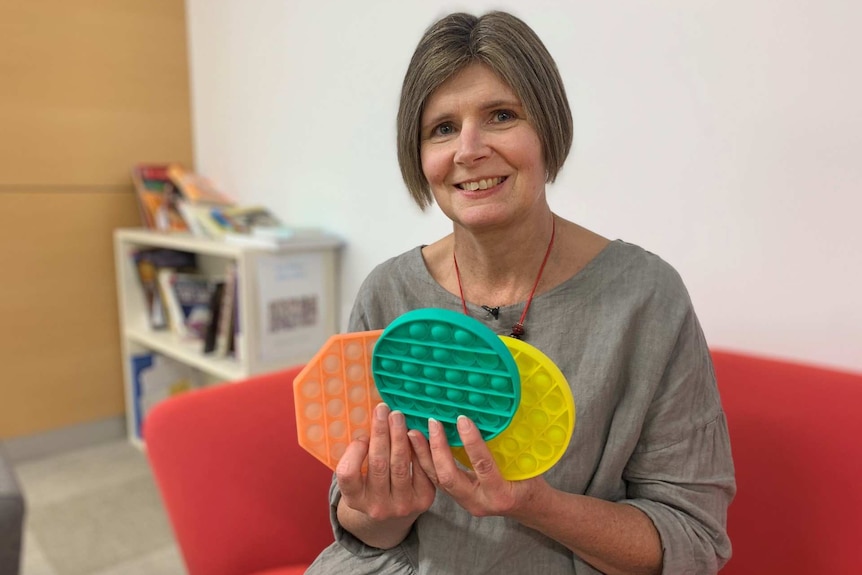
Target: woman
[{"x": 644, "y": 486}]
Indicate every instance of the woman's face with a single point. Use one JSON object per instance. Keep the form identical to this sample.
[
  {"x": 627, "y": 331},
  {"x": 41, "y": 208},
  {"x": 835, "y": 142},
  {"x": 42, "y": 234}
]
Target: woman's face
[{"x": 480, "y": 154}]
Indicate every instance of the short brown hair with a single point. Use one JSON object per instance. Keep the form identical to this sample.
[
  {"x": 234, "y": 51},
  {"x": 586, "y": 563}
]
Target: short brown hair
[{"x": 514, "y": 52}]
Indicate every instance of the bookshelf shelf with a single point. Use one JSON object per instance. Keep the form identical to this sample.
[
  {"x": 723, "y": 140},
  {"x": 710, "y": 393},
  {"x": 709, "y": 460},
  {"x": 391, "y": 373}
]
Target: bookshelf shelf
[{"x": 268, "y": 280}]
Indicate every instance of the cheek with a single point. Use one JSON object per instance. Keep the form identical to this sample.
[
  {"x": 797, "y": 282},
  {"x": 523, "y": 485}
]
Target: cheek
[{"x": 434, "y": 166}]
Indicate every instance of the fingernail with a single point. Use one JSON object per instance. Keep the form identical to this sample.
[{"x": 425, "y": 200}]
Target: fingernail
[
  {"x": 412, "y": 435},
  {"x": 381, "y": 411},
  {"x": 397, "y": 419},
  {"x": 433, "y": 426},
  {"x": 463, "y": 423}
]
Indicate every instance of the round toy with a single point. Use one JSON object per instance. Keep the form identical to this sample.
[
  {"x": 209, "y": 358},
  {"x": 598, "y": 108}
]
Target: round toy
[
  {"x": 541, "y": 428},
  {"x": 436, "y": 363}
]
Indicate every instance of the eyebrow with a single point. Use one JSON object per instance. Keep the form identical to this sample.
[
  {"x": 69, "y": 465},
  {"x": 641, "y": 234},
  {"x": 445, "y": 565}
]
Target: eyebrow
[{"x": 490, "y": 105}]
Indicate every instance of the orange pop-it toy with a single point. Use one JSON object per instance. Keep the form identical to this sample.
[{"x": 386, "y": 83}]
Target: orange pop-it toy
[{"x": 335, "y": 396}]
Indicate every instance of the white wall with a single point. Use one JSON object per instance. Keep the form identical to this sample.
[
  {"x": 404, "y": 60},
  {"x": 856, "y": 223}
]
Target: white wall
[{"x": 724, "y": 136}]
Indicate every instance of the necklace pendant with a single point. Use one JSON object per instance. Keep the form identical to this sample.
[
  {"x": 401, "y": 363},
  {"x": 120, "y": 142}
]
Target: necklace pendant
[{"x": 517, "y": 330}]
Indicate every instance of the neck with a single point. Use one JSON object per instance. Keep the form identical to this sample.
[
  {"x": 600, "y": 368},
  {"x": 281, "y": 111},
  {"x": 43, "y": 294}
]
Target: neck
[{"x": 501, "y": 268}]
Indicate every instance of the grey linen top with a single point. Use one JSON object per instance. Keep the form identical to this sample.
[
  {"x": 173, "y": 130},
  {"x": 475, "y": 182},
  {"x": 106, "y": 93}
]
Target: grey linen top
[{"x": 650, "y": 431}]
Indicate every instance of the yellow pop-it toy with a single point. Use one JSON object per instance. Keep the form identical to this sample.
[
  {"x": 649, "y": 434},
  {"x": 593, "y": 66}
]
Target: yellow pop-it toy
[
  {"x": 541, "y": 429},
  {"x": 335, "y": 396}
]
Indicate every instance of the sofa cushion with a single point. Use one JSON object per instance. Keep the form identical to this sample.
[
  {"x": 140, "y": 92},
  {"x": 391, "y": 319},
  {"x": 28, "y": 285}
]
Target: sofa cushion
[{"x": 796, "y": 435}]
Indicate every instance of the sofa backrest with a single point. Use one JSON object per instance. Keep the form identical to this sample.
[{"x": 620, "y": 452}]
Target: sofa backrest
[{"x": 796, "y": 436}]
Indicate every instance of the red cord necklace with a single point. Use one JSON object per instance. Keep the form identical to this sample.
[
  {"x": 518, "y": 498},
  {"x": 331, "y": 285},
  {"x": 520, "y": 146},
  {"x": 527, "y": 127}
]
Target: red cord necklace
[{"x": 518, "y": 328}]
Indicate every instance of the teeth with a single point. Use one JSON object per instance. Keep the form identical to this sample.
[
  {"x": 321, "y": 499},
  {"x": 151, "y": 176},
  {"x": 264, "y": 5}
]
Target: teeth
[{"x": 481, "y": 184}]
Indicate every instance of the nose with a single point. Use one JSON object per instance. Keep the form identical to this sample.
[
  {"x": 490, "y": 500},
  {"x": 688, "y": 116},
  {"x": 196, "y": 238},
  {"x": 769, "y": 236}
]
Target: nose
[{"x": 472, "y": 145}]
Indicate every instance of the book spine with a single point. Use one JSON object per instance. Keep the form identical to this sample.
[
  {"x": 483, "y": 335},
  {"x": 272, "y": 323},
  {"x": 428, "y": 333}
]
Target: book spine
[{"x": 226, "y": 316}]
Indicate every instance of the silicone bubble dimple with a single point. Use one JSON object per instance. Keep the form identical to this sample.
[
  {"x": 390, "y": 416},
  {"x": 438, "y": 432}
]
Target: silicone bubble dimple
[
  {"x": 337, "y": 429},
  {"x": 335, "y": 395},
  {"x": 434, "y": 363},
  {"x": 353, "y": 351},
  {"x": 441, "y": 333},
  {"x": 418, "y": 330},
  {"x": 543, "y": 449},
  {"x": 543, "y": 423},
  {"x": 542, "y": 382},
  {"x": 538, "y": 418},
  {"x": 454, "y": 376},
  {"x": 527, "y": 463},
  {"x": 462, "y": 337},
  {"x": 315, "y": 433},
  {"x": 440, "y": 354},
  {"x": 310, "y": 389},
  {"x": 462, "y": 357},
  {"x": 411, "y": 369},
  {"x": 556, "y": 435},
  {"x": 488, "y": 361},
  {"x": 389, "y": 365},
  {"x": 477, "y": 379},
  {"x": 334, "y": 386},
  {"x": 419, "y": 351},
  {"x": 412, "y": 387},
  {"x": 313, "y": 411},
  {"x": 498, "y": 383},
  {"x": 432, "y": 372},
  {"x": 433, "y": 391},
  {"x": 357, "y": 394},
  {"x": 335, "y": 408},
  {"x": 331, "y": 363},
  {"x": 356, "y": 372}
]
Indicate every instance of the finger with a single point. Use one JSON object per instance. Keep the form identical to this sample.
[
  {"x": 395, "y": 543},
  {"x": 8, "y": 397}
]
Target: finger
[
  {"x": 423, "y": 487},
  {"x": 378, "y": 452},
  {"x": 444, "y": 463},
  {"x": 422, "y": 454},
  {"x": 348, "y": 472},
  {"x": 400, "y": 456},
  {"x": 481, "y": 460}
]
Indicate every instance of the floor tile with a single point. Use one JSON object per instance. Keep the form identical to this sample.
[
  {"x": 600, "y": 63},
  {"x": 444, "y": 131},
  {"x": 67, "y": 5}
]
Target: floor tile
[
  {"x": 164, "y": 561},
  {"x": 116, "y": 523},
  {"x": 50, "y": 480},
  {"x": 34, "y": 561}
]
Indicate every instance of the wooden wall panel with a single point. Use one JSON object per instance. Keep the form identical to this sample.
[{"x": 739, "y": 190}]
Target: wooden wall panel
[
  {"x": 87, "y": 89},
  {"x": 89, "y": 84},
  {"x": 59, "y": 339}
]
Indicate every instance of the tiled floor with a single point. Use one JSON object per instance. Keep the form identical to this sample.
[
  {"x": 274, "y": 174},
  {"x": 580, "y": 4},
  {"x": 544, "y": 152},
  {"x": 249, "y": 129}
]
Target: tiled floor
[{"x": 95, "y": 511}]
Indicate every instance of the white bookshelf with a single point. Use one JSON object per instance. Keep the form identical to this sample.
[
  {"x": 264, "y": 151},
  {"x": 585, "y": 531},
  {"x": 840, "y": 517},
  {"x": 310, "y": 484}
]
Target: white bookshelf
[{"x": 308, "y": 266}]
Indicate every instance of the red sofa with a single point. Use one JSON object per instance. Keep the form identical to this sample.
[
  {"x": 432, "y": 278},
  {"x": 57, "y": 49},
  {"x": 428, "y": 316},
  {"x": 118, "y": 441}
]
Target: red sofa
[
  {"x": 796, "y": 436},
  {"x": 244, "y": 498}
]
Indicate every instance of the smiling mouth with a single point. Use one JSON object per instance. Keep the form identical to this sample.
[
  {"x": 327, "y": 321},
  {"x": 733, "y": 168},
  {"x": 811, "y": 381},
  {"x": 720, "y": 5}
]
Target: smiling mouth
[{"x": 483, "y": 184}]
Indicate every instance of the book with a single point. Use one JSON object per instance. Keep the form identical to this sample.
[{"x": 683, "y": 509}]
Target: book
[
  {"x": 187, "y": 302},
  {"x": 215, "y": 317},
  {"x": 244, "y": 219},
  {"x": 148, "y": 262},
  {"x": 155, "y": 378},
  {"x": 227, "y": 316},
  {"x": 197, "y": 189},
  {"x": 158, "y": 198}
]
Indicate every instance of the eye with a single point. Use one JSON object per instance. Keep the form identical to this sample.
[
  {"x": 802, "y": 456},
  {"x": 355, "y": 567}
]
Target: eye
[
  {"x": 504, "y": 116},
  {"x": 444, "y": 129}
]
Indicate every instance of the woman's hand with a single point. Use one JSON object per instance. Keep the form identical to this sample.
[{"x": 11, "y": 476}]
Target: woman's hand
[
  {"x": 380, "y": 505},
  {"x": 482, "y": 491}
]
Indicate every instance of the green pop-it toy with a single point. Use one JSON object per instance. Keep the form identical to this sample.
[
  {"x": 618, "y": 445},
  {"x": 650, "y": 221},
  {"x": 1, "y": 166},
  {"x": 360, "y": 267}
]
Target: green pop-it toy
[
  {"x": 541, "y": 429},
  {"x": 441, "y": 364}
]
